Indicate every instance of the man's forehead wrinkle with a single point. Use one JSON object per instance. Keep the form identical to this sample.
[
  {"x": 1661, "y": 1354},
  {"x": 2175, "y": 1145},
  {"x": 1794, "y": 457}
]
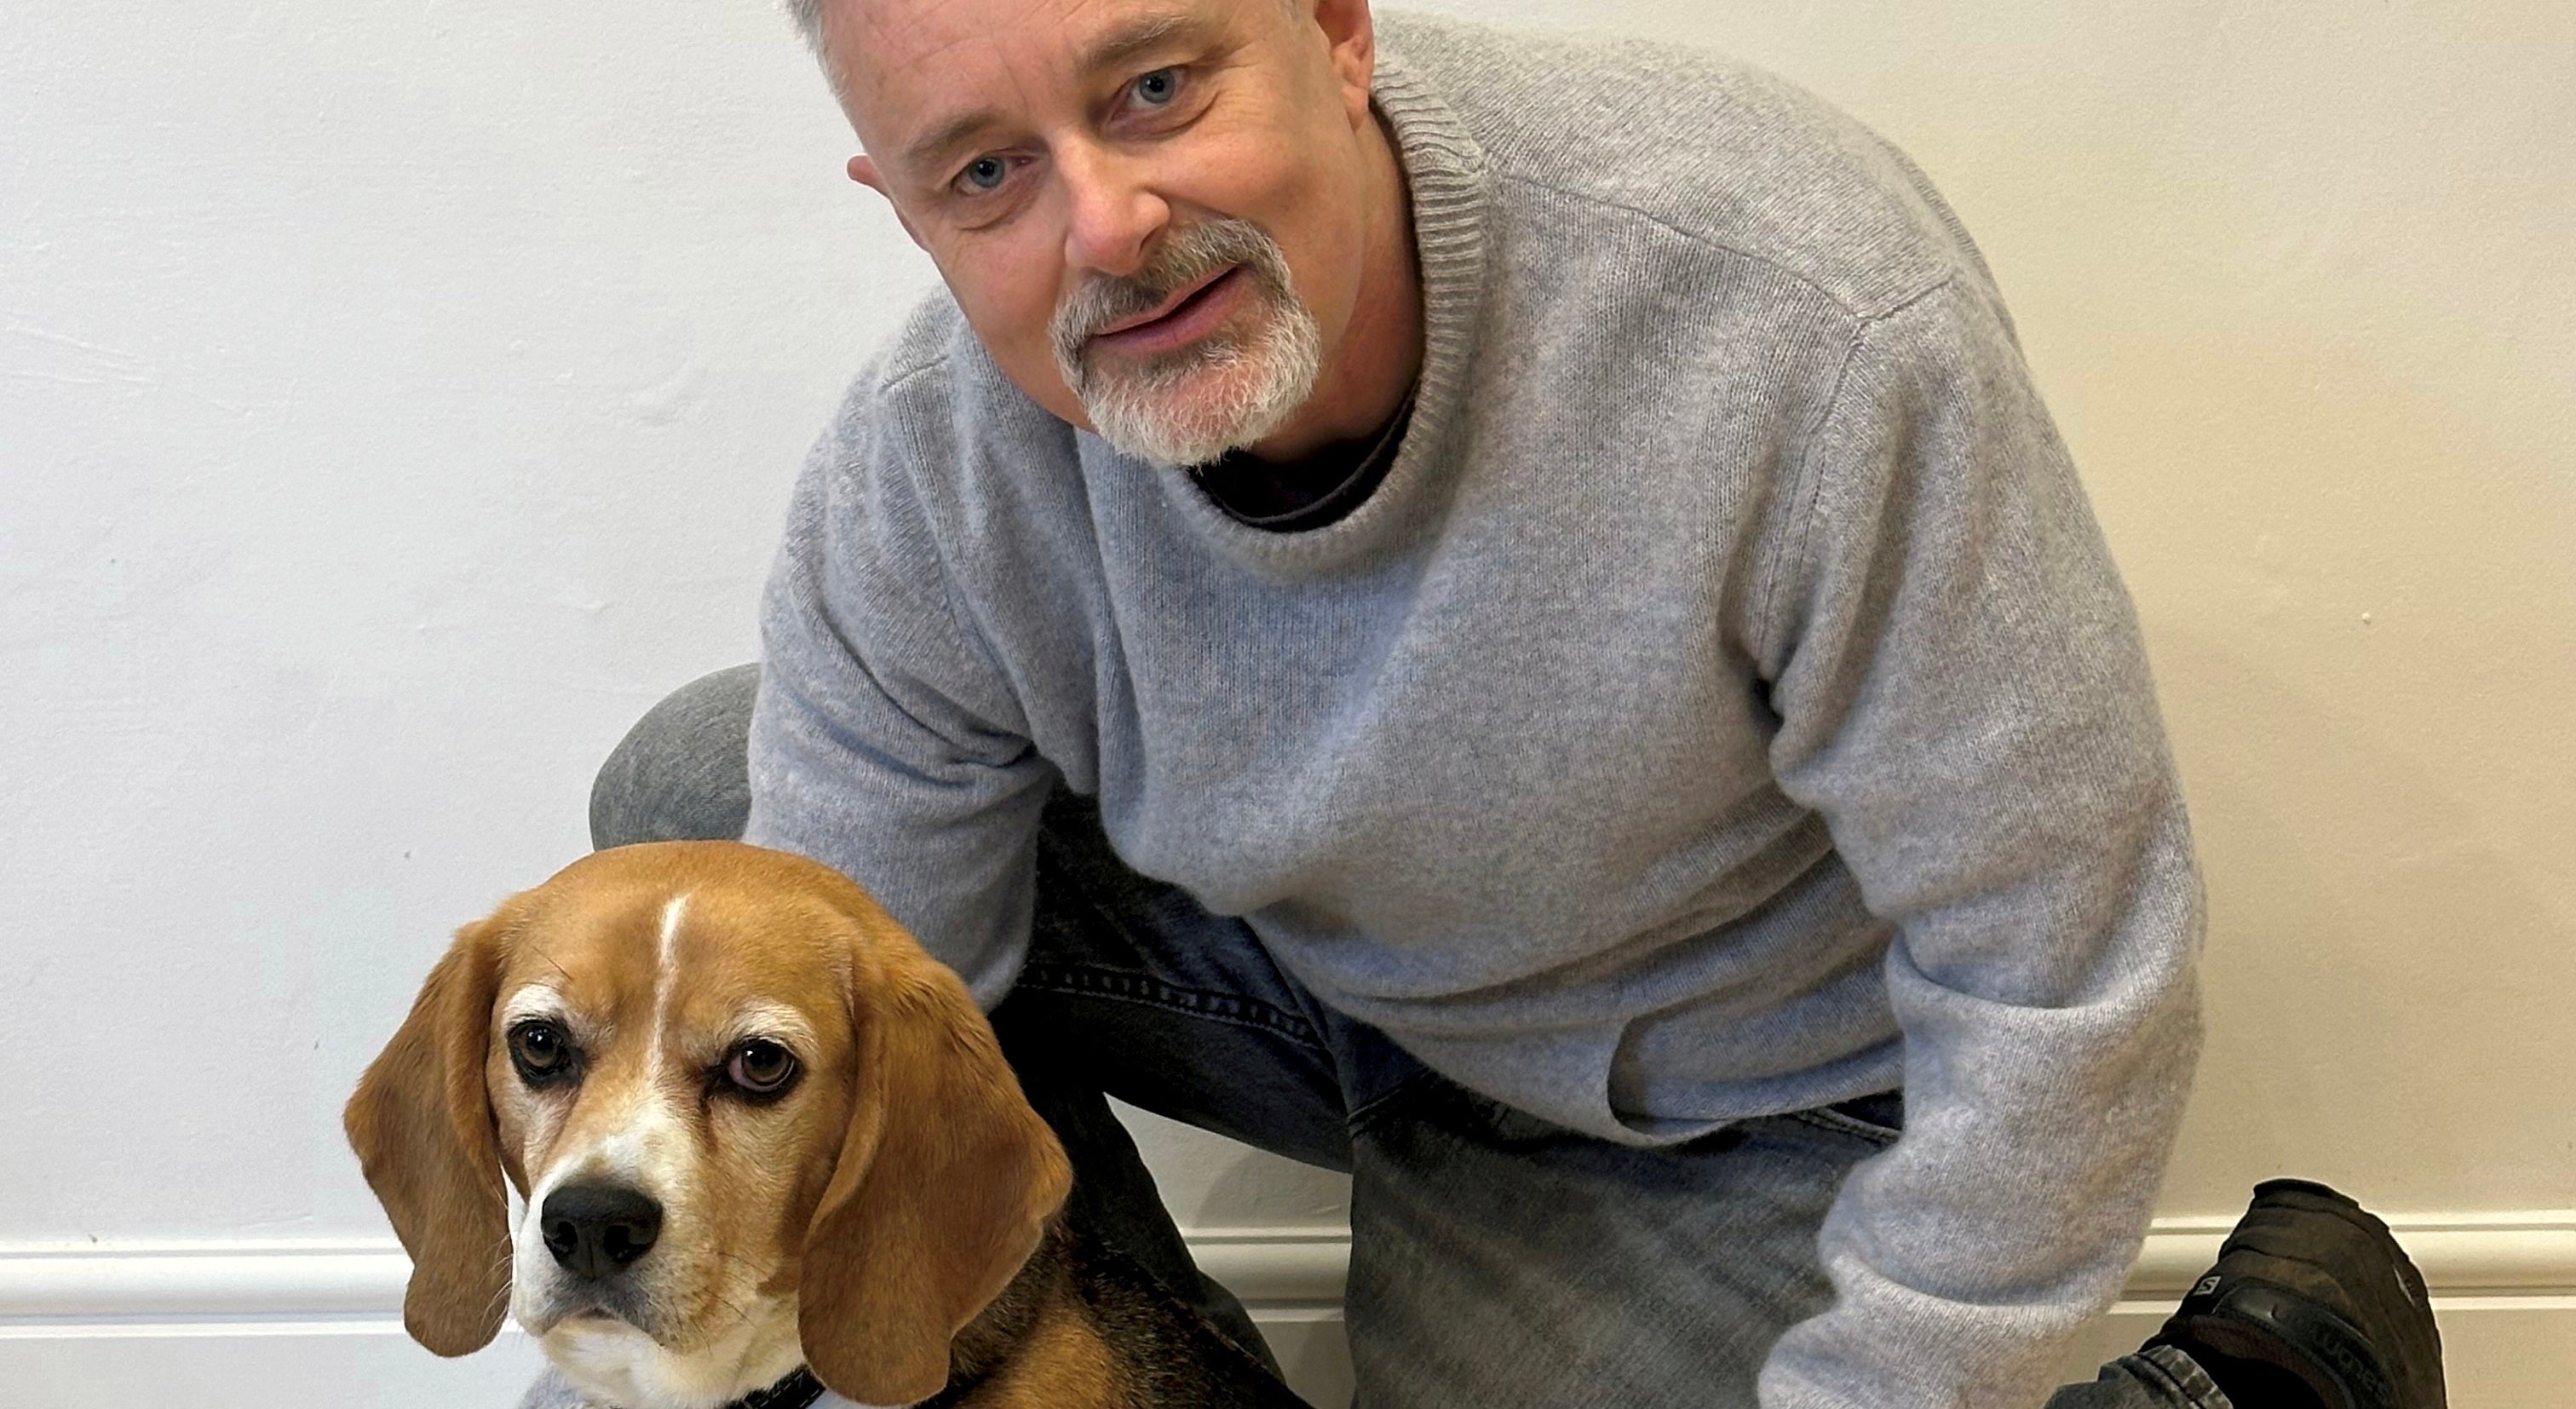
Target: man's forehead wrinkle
[
  {"x": 1097, "y": 46},
  {"x": 882, "y": 34},
  {"x": 954, "y": 129},
  {"x": 1130, "y": 39},
  {"x": 880, "y": 39}
]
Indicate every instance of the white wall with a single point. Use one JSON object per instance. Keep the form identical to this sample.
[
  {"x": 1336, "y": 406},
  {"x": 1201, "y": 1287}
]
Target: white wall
[{"x": 396, "y": 398}]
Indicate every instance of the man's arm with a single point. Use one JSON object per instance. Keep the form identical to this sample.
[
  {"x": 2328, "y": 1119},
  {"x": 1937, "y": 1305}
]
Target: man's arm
[
  {"x": 884, "y": 743},
  {"x": 1963, "y": 697}
]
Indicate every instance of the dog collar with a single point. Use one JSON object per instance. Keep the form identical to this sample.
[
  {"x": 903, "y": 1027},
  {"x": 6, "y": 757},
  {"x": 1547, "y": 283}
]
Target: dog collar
[{"x": 800, "y": 1389}]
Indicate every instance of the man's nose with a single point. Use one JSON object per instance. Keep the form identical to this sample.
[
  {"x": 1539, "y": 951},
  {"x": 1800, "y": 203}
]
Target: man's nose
[
  {"x": 1112, "y": 213},
  {"x": 596, "y": 1229}
]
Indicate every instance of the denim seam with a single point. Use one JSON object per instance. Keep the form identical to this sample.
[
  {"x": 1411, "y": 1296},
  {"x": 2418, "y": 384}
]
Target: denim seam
[
  {"x": 1364, "y": 1118},
  {"x": 1847, "y": 1125},
  {"x": 1146, "y": 991}
]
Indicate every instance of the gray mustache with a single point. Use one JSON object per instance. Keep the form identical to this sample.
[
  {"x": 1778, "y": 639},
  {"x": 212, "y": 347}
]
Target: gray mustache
[{"x": 1184, "y": 257}]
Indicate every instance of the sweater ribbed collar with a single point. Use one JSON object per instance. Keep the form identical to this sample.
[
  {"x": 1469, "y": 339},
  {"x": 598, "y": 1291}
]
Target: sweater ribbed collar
[{"x": 1444, "y": 171}]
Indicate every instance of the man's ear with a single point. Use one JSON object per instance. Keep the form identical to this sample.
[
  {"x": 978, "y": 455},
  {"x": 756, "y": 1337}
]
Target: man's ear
[
  {"x": 1350, "y": 36},
  {"x": 421, "y": 1122},
  {"x": 945, "y": 1181},
  {"x": 864, "y": 171}
]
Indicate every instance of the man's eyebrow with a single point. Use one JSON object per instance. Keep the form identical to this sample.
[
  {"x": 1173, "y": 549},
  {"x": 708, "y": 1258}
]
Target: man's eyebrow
[
  {"x": 1109, "y": 51},
  {"x": 952, "y": 133}
]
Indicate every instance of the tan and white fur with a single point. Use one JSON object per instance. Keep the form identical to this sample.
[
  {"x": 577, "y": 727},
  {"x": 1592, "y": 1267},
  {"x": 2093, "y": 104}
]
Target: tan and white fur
[{"x": 690, "y": 1231}]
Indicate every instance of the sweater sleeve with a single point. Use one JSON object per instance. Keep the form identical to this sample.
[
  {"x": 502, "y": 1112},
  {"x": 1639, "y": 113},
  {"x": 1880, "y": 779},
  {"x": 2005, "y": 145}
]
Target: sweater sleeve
[
  {"x": 1964, "y": 699},
  {"x": 885, "y": 742}
]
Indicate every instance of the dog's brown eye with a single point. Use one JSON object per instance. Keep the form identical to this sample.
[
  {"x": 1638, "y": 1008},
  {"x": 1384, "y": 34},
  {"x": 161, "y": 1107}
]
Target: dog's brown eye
[
  {"x": 540, "y": 1051},
  {"x": 760, "y": 1066}
]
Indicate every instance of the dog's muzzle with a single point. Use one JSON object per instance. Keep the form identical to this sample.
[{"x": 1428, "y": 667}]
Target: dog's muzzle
[{"x": 598, "y": 1235}]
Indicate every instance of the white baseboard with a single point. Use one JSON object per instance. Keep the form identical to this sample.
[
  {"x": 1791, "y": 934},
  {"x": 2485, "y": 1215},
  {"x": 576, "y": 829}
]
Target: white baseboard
[
  {"x": 44, "y": 1285},
  {"x": 228, "y": 1324},
  {"x": 80, "y": 1323},
  {"x": 47, "y": 1287}
]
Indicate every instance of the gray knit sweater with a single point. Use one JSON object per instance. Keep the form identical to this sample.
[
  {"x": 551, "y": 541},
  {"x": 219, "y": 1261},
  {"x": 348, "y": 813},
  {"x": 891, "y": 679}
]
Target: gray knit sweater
[{"x": 1726, "y": 704}]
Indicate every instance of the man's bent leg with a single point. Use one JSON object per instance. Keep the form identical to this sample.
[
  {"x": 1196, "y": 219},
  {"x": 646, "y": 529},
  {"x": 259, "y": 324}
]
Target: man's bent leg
[
  {"x": 1505, "y": 1262},
  {"x": 1178, "y": 1011},
  {"x": 681, "y": 774},
  {"x": 1501, "y": 1261},
  {"x": 1131, "y": 990}
]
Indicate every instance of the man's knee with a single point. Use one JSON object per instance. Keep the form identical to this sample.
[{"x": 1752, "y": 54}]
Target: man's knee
[{"x": 681, "y": 773}]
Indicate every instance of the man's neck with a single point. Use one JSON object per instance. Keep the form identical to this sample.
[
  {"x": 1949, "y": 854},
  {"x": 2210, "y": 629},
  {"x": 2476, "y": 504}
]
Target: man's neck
[{"x": 1373, "y": 370}]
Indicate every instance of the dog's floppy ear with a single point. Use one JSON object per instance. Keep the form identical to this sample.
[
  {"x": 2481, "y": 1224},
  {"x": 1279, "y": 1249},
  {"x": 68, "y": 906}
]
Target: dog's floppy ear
[
  {"x": 945, "y": 1181},
  {"x": 421, "y": 1123}
]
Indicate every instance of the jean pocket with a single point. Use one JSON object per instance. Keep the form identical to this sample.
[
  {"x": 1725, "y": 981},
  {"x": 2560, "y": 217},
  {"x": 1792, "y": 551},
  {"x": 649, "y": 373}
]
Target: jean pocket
[{"x": 1878, "y": 1118}]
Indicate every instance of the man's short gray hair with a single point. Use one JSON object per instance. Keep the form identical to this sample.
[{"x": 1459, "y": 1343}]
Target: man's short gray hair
[{"x": 808, "y": 15}]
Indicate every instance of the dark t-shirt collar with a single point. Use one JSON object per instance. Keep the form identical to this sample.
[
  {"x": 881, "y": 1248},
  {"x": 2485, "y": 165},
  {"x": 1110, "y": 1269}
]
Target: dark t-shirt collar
[{"x": 1300, "y": 494}]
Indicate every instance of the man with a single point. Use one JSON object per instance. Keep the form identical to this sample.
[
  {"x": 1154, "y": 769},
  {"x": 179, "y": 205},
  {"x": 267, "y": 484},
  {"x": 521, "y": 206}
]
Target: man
[{"x": 1502, "y": 615}]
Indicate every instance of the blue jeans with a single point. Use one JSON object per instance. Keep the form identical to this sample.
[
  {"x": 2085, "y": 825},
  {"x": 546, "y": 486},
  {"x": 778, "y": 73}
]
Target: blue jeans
[{"x": 1497, "y": 1260}]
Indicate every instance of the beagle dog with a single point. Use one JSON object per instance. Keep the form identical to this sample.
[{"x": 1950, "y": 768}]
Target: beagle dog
[{"x": 765, "y": 1147}]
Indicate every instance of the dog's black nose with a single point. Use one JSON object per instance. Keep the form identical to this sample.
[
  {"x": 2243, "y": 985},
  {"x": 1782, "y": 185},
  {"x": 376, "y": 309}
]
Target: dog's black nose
[{"x": 595, "y": 1229}]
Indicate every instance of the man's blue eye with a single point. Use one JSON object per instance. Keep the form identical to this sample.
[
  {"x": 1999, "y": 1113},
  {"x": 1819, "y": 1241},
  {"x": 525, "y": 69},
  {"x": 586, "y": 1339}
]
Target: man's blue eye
[
  {"x": 985, "y": 173},
  {"x": 1160, "y": 86}
]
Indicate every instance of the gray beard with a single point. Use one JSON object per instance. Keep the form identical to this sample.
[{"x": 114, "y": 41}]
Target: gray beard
[{"x": 1226, "y": 392}]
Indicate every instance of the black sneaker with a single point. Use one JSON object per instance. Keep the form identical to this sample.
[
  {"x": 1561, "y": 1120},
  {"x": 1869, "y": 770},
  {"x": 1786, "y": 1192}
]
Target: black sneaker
[{"x": 2311, "y": 1286}]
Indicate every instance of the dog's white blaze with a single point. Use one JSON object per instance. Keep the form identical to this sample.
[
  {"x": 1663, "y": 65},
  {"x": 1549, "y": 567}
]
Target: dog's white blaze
[
  {"x": 672, "y": 911},
  {"x": 647, "y": 1143}
]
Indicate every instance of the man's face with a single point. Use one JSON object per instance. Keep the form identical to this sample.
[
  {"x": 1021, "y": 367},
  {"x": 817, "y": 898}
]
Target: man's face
[{"x": 1153, "y": 212}]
